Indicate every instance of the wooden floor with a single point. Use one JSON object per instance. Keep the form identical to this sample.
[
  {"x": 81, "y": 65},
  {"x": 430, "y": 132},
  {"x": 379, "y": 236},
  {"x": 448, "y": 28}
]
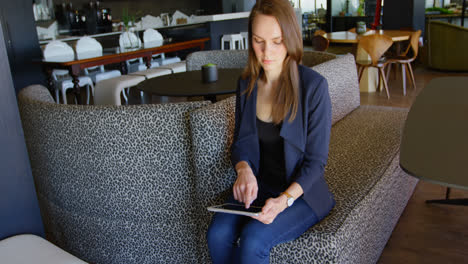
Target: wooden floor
[{"x": 425, "y": 233}]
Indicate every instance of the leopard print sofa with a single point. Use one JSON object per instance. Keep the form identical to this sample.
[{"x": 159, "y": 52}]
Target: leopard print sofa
[
  {"x": 130, "y": 184},
  {"x": 115, "y": 183},
  {"x": 363, "y": 172}
]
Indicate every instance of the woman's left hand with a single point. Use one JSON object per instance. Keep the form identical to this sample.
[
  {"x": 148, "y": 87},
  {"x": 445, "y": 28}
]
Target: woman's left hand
[{"x": 271, "y": 209}]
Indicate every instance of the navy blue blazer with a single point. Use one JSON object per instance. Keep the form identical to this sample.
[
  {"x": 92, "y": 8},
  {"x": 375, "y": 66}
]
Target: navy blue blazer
[{"x": 306, "y": 138}]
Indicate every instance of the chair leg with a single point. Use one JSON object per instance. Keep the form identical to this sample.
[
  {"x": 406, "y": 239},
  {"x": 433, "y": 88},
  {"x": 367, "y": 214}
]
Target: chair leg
[
  {"x": 361, "y": 70},
  {"x": 389, "y": 69},
  {"x": 57, "y": 96},
  {"x": 403, "y": 77},
  {"x": 382, "y": 75},
  {"x": 124, "y": 94},
  {"x": 410, "y": 69},
  {"x": 378, "y": 88},
  {"x": 64, "y": 96},
  {"x": 87, "y": 94}
]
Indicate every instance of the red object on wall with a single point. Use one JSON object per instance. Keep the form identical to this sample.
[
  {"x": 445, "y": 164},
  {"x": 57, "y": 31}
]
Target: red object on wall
[{"x": 378, "y": 7}]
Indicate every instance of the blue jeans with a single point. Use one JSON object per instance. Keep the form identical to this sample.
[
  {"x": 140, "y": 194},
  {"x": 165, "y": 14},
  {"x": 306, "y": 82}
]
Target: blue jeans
[{"x": 242, "y": 239}]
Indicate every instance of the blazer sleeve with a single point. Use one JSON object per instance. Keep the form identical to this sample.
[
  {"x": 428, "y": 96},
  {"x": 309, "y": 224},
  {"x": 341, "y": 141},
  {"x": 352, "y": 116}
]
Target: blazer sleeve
[{"x": 318, "y": 127}]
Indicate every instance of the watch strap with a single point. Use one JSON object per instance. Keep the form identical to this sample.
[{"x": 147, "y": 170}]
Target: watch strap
[{"x": 287, "y": 195}]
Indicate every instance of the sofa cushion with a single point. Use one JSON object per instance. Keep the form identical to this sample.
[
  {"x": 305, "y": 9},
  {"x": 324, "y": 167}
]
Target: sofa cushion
[
  {"x": 343, "y": 85},
  {"x": 115, "y": 183},
  {"x": 212, "y": 131}
]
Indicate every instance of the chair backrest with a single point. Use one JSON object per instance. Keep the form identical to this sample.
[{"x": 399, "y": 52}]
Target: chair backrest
[
  {"x": 152, "y": 38},
  {"x": 87, "y": 47},
  {"x": 414, "y": 43},
  {"x": 129, "y": 40},
  {"x": 375, "y": 45},
  {"x": 320, "y": 43},
  {"x": 58, "y": 51},
  {"x": 229, "y": 59}
]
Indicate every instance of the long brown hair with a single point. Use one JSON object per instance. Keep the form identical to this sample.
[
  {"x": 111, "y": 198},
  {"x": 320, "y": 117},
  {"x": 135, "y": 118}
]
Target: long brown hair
[{"x": 286, "y": 96}]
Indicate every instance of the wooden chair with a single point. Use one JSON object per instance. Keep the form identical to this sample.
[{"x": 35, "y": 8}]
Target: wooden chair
[
  {"x": 405, "y": 60},
  {"x": 375, "y": 45},
  {"x": 320, "y": 43}
]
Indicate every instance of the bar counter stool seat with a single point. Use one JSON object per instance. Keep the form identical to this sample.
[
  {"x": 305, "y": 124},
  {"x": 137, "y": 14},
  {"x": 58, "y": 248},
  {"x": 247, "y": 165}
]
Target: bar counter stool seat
[
  {"x": 245, "y": 39},
  {"x": 233, "y": 39},
  {"x": 26, "y": 249},
  {"x": 107, "y": 92}
]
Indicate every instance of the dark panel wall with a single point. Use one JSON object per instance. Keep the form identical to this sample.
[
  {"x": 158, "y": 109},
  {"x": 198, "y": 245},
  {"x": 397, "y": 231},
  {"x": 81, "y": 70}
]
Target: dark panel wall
[
  {"x": 399, "y": 14},
  {"x": 19, "y": 211},
  {"x": 19, "y": 31}
]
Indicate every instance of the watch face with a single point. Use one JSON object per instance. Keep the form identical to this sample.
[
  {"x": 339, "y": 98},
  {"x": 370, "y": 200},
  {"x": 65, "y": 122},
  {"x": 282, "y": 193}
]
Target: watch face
[{"x": 290, "y": 201}]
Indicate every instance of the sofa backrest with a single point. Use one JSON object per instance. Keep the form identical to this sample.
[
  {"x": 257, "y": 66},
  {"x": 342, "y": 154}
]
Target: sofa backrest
[
  {"x": 343, "y": 84},
  {"x": 227, "y": 59},
  {"x": 447, "y": 46},
  {"x": 238, "y": 58},
  {"x": 109, "y": 178}
]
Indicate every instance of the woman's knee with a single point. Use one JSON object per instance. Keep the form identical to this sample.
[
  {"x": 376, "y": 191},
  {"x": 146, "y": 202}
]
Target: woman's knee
[
  {"x": 253, "y": 246},
  {"x": 219, "y": 234}
]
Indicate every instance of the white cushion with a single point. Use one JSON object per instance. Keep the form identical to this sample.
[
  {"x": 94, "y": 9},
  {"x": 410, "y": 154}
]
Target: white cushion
[
  {"x": 27, "y": 249},
  {"x": 152, "y": 73},
  {"x": 176, "y": 67},
  {"x": 107, "y": 92}
]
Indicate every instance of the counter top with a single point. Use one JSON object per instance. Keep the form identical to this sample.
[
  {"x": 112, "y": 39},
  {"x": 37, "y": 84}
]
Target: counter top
[{"x": 196, "y": 20}]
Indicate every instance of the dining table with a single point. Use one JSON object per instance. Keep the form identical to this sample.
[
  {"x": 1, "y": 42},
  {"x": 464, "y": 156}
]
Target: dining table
[
  {"x": 369, "y": 80},
  {"x": 115, "y": 55},
  {"x": 353, "y": 38},
  {"x": 190, "y": 83}
]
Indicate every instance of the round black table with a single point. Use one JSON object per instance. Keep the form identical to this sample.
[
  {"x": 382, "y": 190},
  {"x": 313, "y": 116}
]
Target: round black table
[{"x": 188, "y": 84}]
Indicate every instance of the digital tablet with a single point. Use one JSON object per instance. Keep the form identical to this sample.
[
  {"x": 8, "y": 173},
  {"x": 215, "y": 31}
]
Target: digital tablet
[{"x": 236, "y": 209}]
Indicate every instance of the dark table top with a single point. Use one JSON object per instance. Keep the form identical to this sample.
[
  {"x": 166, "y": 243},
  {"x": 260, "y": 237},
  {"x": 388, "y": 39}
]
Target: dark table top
[
  {"x": 434, "y": 145},
  {"x": 190, "y": 83}
]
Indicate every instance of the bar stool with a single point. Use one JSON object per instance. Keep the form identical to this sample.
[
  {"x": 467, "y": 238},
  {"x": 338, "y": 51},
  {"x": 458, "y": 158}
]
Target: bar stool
[
  {"x": 245, "y": 39},
  {"x": 232, "y": 39}
]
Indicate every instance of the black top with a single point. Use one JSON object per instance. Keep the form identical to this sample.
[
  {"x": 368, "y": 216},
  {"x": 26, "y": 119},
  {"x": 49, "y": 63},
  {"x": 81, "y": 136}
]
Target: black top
[{"x": 272, "y": 172}]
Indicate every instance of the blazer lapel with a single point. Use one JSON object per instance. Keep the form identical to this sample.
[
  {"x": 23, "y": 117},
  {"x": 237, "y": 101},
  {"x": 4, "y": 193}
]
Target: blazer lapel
[
  {"x": 248, "y": 126},
  {"x": 293, "y": 132}
]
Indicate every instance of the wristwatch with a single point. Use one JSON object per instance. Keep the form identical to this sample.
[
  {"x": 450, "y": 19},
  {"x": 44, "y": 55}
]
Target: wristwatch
[{"x": 290, "y": 200}]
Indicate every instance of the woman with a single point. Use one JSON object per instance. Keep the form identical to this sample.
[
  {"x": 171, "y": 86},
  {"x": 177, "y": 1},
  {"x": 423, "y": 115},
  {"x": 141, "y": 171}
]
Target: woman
[{"x": 280, "y": 148}]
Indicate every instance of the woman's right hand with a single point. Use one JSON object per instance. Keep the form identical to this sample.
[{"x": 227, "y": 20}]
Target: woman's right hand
[{"x": 245, "y": 188}]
